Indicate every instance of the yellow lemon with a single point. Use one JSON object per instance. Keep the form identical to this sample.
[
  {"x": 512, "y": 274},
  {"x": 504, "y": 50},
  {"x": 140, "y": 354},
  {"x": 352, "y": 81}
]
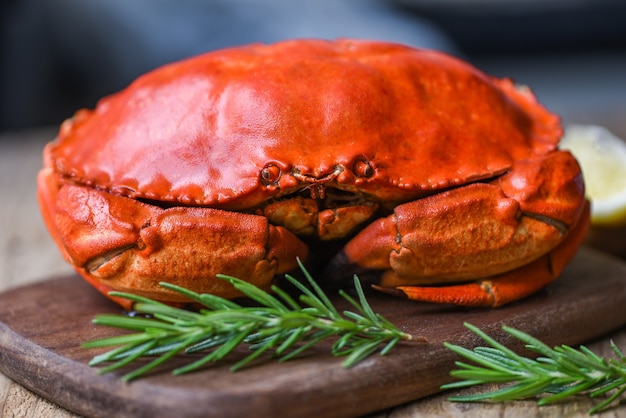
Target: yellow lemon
[{"x": 602, "y": 157}]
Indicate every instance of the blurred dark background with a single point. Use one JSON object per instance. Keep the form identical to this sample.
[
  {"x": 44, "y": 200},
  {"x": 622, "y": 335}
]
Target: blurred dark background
[{"x": 59, "y": 55}]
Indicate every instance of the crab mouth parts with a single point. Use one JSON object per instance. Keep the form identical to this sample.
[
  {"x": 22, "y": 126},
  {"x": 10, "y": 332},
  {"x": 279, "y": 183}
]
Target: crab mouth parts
[
  {"x": 318, "y": 211},
  {"x": 331, "y": 197},
  {"x": 323, "y": 197}
]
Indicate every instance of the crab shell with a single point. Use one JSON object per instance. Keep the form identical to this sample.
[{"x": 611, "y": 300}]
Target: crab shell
[{"x": 240, "y": 161}]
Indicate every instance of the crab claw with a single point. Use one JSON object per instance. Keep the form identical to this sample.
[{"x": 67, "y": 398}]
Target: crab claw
[
  {"x": 504, "y": 288},
  {"x": 143, "y": 245}
]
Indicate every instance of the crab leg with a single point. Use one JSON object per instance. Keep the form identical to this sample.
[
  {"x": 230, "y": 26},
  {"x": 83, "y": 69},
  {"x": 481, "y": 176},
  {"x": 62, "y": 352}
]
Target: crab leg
[{"x": 480, "y": 231}]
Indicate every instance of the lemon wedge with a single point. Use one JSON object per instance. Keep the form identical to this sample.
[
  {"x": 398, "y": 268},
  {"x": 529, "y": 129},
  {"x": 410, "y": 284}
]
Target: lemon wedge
[{"x": 602, "y": 157}]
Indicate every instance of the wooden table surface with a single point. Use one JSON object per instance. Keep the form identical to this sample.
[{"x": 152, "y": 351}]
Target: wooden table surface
[{"x": 27, "y": 255}]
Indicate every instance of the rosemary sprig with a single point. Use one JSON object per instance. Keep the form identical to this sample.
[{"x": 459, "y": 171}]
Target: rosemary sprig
[
  {"x": 559, "y": 373},
  {"x": 276, "y": 324}
]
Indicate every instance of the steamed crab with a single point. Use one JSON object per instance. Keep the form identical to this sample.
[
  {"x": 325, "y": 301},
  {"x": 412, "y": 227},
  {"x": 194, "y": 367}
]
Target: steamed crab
[{"x": 447, "y": 181}]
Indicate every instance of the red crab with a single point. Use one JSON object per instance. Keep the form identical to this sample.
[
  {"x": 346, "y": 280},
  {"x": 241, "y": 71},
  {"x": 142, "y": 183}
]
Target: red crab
[{"x": 241, "y": 160}]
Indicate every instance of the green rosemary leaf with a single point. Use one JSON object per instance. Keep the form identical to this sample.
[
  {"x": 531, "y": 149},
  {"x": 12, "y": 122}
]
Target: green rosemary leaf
[
  {"x": 231, "y": 344},
  {"x": 247, "y": 360},
  {"x": 138, "y": 352},
  {"x": 385, "y": 325},
  {"x": 210, "y": 341},
  {"x": 314, "y": 339},
  {"x": 365, "y": 306},
  {"x": 590, "y": 353},
  {"x": 112, "y": 355},
  {"x": 361, "y": 352},
  {"x": 617, "y": 351},
  {"x": 494, "y": 376},
  {"x": 166, "y": 313},
  {"x": 497, "y": 356},
  {"x": 344, "y": 342},
  {"x": 133, "y": 297},
  {"x": 210, "y": 301},
  {"x": 132, "y": 323},
  {"x": 318, "y": 291},
  {"x": 317, "y": 306},
  {"x": 461, "y": 384},
  {"x": 607, "y": 386},
  {"x": 354, "y": 317},
  {"x": 607, "y": 402},
  {"x": 316, "y": 298},
  {"x": 524, "y": 389},
  {"x": 618, "y": 368},
  {"x": 226, "y": 347},
  {"x": 286, "y": 297},
  {"x": 293, "y": 337},
  {"x": 118, "y": 340},
  {"x": 216, "y": 303},
  {"x": 478, "y": 358},
  {"x": 255, "y": 293},
  {"x": 567, "y": 392},
  {"x": 352, "y": 302},
  {"x": 531, "y": 342},
  {"x": 389, "y": 346}
]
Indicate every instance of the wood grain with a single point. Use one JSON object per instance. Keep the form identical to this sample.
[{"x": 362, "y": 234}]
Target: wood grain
[{"x": 40, "y": 340}]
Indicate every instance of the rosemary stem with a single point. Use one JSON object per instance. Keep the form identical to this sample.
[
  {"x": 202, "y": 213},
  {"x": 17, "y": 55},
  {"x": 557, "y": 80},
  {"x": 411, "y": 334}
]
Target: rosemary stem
[{"x": 279, "y": 324}]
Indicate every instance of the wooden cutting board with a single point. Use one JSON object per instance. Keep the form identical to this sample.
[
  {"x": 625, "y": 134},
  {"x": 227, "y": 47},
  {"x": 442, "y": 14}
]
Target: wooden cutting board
[{"x": 42, "y": 326}]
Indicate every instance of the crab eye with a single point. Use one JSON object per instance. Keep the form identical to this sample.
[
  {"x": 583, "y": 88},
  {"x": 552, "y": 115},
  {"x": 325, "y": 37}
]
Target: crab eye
[
  {"x": 270, "y": 174},
  {"x": 363, "y": 168}
]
